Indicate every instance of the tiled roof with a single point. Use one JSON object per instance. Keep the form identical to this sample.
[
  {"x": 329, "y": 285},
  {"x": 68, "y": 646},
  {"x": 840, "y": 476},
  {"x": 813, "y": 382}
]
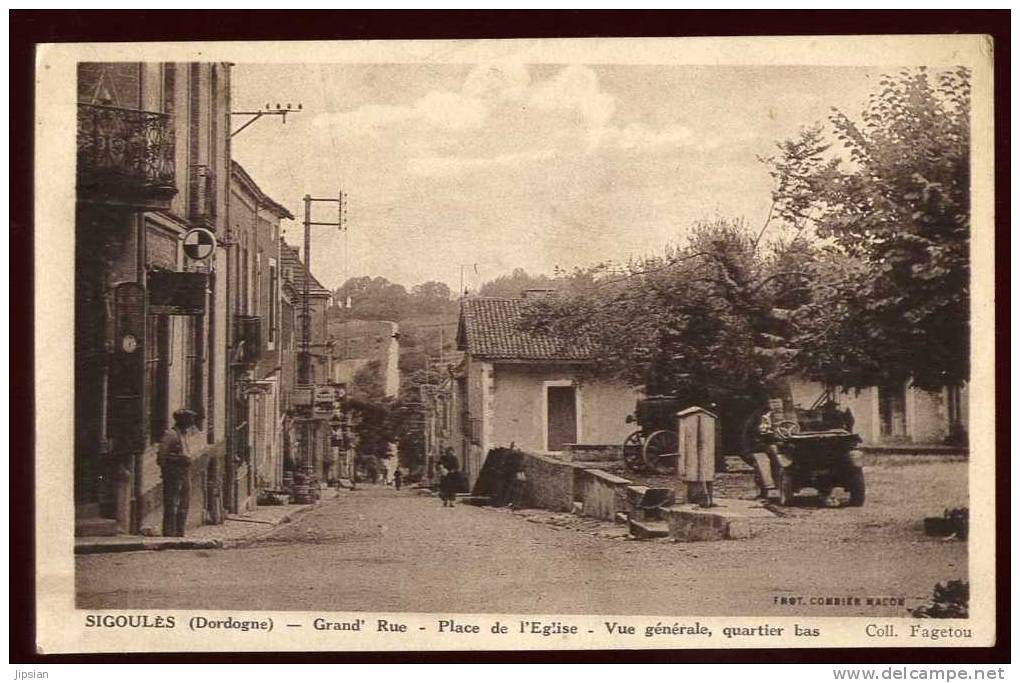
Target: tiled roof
[
  {"x": 241, "y": 176},
  {"x": 290, "y": 259},
  {"x": 489, "y": 329}
]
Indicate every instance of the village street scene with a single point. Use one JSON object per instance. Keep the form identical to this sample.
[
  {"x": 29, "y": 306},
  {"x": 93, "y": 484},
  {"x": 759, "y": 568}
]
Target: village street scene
[{"x": 509, "y": 337}]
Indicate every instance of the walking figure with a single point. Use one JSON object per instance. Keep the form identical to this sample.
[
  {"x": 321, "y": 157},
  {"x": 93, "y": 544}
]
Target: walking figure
[
  {"x": 174, "y": 462},
  {"x": 449, "y": 482},
  {"x": 397, "y": 477}
]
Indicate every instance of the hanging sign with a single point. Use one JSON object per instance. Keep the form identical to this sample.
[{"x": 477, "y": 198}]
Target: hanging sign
[
  {"x": 174, "y": 293},
  {"x": 199, "y": 244}
]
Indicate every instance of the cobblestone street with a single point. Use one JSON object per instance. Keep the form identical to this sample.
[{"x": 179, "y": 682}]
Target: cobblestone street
[{"x": 377, "y": 549}]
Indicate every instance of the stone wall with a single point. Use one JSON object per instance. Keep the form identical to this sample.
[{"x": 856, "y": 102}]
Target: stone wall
[
  {"x": 582, "y": 452},
  {"x": 551, "y": 484},
  {"x": 602, "y": 494}
]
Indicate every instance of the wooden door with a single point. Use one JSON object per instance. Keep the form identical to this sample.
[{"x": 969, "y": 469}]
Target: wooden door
[{"x": 561, "y": 417}]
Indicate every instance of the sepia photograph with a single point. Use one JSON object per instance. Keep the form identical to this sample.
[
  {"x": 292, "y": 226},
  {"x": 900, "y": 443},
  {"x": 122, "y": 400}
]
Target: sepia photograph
[{"x": 604, "y": 343}]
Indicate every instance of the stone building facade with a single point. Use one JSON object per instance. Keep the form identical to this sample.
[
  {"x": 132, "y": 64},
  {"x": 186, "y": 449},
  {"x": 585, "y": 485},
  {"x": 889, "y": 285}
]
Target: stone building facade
[
  {"x": 258, "y": 402},
  {"x": 151, "y": 324},
  {"x": 526, "y": 390}
]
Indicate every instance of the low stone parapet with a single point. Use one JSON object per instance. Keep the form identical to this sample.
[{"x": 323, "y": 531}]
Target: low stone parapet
[
  {"x": 729, "y": 520},
  {"x": 593, "y": 453},
  {"x": 550, "y": 482},
  {"x": 602, "y": 494}
]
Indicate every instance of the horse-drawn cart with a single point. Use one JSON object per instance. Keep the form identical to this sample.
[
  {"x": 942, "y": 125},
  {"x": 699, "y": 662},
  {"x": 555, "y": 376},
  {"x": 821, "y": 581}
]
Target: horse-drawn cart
[{"x": 654, "y": 446}]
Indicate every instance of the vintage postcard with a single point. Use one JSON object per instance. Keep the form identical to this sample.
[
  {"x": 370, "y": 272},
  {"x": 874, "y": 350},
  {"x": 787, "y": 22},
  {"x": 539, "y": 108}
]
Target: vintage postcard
[{"x": 515, "y": 344}]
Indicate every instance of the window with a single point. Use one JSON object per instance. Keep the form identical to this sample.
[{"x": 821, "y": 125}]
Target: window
[
  {"x": 169, "y": 83},
  {"x": 157, "y": 374},
  {"x": 244, "y": 307},
  {"x": 214, "y": 110},
  {"x": 261, "y": 298},
  {"x": 210, "y": 413},
  {"x": 274, "y": 298},
  {"x": 194, "y": 360}
]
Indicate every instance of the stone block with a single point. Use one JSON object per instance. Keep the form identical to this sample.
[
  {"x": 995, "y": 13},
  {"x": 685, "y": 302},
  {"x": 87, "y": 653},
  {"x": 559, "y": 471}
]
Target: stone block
[
  {"x": 738, "y": 528},
  {"x": 645, "y": 503},
  {"x": 730, "y": 519},
  {"x": 602, "y": 494},
  {"x": 645, "y": 530}
]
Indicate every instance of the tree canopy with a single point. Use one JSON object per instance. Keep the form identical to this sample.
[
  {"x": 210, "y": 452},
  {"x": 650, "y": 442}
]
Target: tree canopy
[
  {"x": 376, "y": 298},
  {"x": 891, "y": 192},
  {"x": 862, "y": 279},
  {"x": 513, "y": 285},
  {"x": 704, "y": 320}
]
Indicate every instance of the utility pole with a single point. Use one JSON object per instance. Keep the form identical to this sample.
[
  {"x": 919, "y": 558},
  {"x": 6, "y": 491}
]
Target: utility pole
[
  {"x": 257, "y": 114},
  {"x": 463, "y": 292},
  {"x": 305, "y": 375}
]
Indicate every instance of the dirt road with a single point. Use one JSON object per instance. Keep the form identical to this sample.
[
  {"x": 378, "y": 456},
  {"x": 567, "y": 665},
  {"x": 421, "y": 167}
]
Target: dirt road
[{"x": 381, "y": 550}]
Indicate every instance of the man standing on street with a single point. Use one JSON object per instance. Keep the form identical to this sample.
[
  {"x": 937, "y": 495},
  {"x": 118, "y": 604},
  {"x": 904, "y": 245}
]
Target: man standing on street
[{"x": 174, "y": 461}]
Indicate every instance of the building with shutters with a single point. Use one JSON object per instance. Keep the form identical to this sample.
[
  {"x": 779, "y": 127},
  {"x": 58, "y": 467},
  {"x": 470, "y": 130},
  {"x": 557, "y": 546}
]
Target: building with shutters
[
  {"x": 523, "y": 389},
  {"x": 302, "y": 423},
  {"x": 258, "y": 392},
  {"x": 152, "y": 325}
]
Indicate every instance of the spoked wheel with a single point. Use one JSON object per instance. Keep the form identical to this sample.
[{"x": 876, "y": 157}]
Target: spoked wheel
[
  {"x": 661, "y": 451},
  {"x": 632, "y": 456}
]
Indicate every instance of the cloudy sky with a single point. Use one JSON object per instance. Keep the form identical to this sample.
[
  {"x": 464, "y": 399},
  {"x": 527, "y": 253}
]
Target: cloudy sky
[{"x": 508, "y": 165}]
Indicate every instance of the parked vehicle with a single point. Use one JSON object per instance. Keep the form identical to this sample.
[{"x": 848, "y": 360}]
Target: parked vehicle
[
  {"x": 823, "y": 457},
  {"x": 654, "y": 446}
]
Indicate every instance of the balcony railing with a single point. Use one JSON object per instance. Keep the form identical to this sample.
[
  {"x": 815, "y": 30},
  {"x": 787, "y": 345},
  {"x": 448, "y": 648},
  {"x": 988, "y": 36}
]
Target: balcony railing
[{"x": 125, "y": 155}]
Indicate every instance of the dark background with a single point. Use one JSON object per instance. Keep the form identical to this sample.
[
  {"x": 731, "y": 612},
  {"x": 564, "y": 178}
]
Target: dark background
[{"x": 28, "y": 28}]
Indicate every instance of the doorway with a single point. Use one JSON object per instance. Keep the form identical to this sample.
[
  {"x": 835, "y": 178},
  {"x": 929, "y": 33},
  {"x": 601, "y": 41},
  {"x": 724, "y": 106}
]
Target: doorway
[
  {"x": 561, "y": 417},
  {"x": 892, "y": 411}
]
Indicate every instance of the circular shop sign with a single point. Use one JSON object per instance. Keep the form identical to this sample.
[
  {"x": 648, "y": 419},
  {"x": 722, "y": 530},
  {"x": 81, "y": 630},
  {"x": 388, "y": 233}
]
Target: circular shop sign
[{"x": 199, "y": 244}]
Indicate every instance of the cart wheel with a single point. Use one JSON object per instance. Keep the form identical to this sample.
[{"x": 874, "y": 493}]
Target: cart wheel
[
  {"x": 632, "y": 457},
  {"x": 786, "y": 488},
  {"x": 855, "y": 487},
  {"x": 661, "y": 451}
]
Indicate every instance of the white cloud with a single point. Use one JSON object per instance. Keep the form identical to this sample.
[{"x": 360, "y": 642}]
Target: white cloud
[
  {"x": 502, "y": 80},
  {"x": 637, "y": 136},
  {"x": 452, "y": 111},
  {"x": 440, "y": 109},
  {"x": 437, "y": 166},
  {"x": 575, "y": 90},
  {"x": 498, "y": 102}
]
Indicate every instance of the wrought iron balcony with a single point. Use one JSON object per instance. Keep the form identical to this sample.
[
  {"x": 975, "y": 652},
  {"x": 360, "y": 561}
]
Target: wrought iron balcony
[{"x": 125, "y": 156}]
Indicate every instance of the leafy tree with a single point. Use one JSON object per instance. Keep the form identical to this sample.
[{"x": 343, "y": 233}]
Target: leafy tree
[
  {"x": 513, "y": 285},
  {"x": 705, "y": 321},
  {"x": 371, "y": 298},
  {"x": 410, "y": 418},
  {"x": 367, "y": 383},
  {"x": 890, "y": 193},
  {"x": 431, "y": 297},
  {"x": 373, "y": 425}
]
